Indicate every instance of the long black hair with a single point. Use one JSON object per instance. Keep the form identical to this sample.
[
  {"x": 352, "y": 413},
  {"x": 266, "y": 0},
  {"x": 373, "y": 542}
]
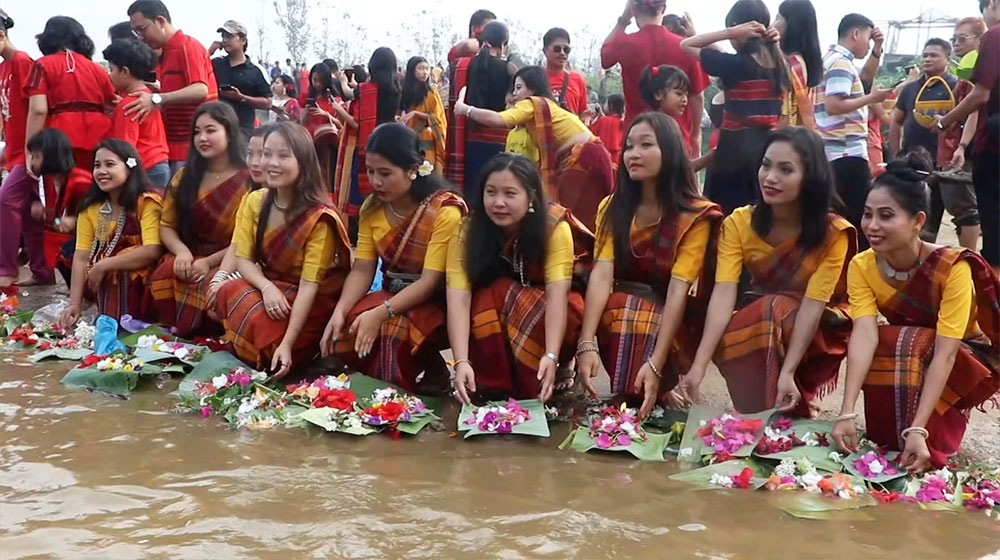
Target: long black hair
[
  {"x": 676, "y": 184},
  {"x": 308, "y": 190},
  {"x": 135, "y": 184},
  {"x": 383, "y": 73},
  {"x": 196, "y": 165},
  {"x": 414, "y": 90},
  {"x": 654, "y": 79},
  {"x": 906, "y": 180},
  {"x": 485, "y": 240},
  {"x": 400, "y": 145},
  {"x": 325, "y": 79},
  {"x": 479, "y": 92},
  {"x": 801, "y": 37},
  {"x": 64, "y": 33},
  {"x": 534, "y": 79},
  {"x": 744, "y": 11},
  {"x": 817, "y": 197},
  {"x": 57, "y": 152}
]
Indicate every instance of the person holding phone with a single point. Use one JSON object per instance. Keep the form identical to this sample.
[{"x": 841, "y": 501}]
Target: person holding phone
[{"x": 241, "y": 83}]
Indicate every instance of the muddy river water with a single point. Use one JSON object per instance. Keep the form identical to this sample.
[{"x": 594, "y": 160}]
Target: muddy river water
[{"x": 86, "y": 476}]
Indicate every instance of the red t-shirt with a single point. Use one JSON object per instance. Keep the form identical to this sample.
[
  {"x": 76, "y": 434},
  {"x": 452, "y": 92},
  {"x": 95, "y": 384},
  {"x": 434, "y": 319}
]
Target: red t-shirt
[
  {"x": 77, "y": 90},
  {"x": 610, "y": 129},
  {"x": 184, "y": 62},
  {"x": 68, "y": 199},
  {"x": 576, "y": 91},
  {"x": 147, "y": 136},
  {"x": 14, "y": 106},
  {"x": 652, "y": 45},
  {"x": 987, "y": 73}
]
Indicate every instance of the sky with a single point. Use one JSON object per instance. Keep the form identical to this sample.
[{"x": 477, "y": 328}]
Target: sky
[{"x": 395, "y": 22}]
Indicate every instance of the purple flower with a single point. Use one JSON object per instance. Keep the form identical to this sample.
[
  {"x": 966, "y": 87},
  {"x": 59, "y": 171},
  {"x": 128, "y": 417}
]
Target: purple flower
[
  {"x": 604, "y": 441},
  {"x": 624, "y": 440},
  {"x": 504, "y": 427}
]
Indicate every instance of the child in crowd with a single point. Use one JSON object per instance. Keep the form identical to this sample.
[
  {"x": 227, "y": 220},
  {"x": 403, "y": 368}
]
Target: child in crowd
[
  {"x": 609, "y": 127},
  {"x": 665, "y": 89}
]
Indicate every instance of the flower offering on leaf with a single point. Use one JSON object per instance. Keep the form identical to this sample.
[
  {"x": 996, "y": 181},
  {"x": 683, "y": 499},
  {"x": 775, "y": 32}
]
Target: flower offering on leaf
[
  {"x": 24, "y": 334},
  {"x": 616, "y": 427},
  {"x": 729, "y": 433},
  {"x": 389, "y": 406},
  {"x": 741, "y": 480},
  {"x": 499, "y": 418},
  {"x": 84, "y": 333},
  {"x": 981, "y": 494},
  {"x": 873, "y": 464},
  {"x": 115, "y": 362}
]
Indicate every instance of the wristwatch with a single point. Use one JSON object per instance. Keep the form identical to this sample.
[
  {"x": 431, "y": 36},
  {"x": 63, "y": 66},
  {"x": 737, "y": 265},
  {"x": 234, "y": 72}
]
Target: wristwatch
[{"x": 157, "y": 99}]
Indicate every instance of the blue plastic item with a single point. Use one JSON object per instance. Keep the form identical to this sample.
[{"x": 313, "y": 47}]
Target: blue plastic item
[{"x": 106, "y": 336}]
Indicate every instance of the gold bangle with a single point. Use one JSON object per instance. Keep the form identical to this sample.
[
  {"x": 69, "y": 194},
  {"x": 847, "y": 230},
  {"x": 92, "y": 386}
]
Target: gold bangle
[{"x": 656, "y": 372}]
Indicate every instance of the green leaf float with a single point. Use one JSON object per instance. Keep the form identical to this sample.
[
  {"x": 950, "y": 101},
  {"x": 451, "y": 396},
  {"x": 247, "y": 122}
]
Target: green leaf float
[{"x": 525, "y": 417}]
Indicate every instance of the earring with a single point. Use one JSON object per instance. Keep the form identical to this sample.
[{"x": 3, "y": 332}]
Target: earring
[
  {"x": 531, "y": 208},
  {"x": 413, "y": 176}
]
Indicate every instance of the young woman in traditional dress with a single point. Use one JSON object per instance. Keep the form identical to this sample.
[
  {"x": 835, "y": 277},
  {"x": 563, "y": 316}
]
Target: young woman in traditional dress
[
  {"x": 423, "y": 111},
  {"x": 397, "y": 332},
  {"x": 292, "y": 255},
  {"x": 939, "y": 355},
  {"x": 487, "y": 78},
  {"x": 784, "y": 344},
  {"x": 576, "y": 167},
  {"x": 117, "y": 236},
  {"x": 513, "y": 313},
  {"x": 317, "y": 115},
  {"x": 653, "y": 236},
  {"x": 375, "y": 102},
  {"x": 199, "y": 215}
]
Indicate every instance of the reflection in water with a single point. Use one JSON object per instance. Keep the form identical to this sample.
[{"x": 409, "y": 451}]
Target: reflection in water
[{"x": 83, "y": 476}]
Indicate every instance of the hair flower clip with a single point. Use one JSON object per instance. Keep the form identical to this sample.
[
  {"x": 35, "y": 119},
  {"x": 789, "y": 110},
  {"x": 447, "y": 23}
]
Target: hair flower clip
[
  {"x": 425, "y": 169},
  {"x": 131, "y": 163}
]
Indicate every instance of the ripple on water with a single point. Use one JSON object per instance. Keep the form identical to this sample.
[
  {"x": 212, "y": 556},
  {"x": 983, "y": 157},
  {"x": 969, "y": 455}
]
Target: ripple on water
[{"x": 36, "y": 477}]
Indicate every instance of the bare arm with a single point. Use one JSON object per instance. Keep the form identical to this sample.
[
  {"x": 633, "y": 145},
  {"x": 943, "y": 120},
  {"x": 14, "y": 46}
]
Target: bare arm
[
  {"x": 979, "y": 95},
  {"x": 556, "y": 304},
  {"x": 172, "y": 241},
  {"x": 693, "y": 45},
  {"x": 191, "y": 93},
  {"x": 359, "y": 279},
  {"x": 459, "y": 327},
  {"x": 252, "y": 273},
  {"x": 300, "y": 310},
  {"x": 228, "y": 260},
  {"x": 841, "y": 105},
  {"x": 896, "y": 131},
  {"x": 38, "y": 111},
  {"x": 806, "y": 322},
  {"x": 342, "y": 114},
  {"x": 599, "y": 287},
  {"x": 945, "y": 351},
  {"x": 720, "y": 311},
  {"x": 140, "y": 257},
  {"x": 696, "y": 106},
  {"x": 860, "y": 353}
]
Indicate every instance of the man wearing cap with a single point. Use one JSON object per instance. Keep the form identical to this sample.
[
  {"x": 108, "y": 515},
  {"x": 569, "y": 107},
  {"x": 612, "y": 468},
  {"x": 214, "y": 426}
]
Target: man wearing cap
[{"x": 241, "y": 83}]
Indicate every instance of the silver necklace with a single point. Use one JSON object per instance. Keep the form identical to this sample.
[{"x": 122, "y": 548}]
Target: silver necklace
[
  {"x": 517, "y": 263},
  {"x": 900, "y": 275},
  {"x": 279, "y": 206},
  {"x": 394, "y": 213}
]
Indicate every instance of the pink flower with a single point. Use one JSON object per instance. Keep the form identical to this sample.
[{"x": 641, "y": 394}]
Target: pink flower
[
  {"x": 604, "y": 441},
  {"x": 205, "y": 411},
  {"x": 624, "y": 440},
  {"x": 783, "y": 423},
  {"x": 872, "y": 465}
]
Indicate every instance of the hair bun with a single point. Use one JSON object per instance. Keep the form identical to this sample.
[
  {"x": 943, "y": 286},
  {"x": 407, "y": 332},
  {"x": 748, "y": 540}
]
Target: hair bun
[
  {"x": 5, "y": 21},
  {"x": 915, "y": 166}
]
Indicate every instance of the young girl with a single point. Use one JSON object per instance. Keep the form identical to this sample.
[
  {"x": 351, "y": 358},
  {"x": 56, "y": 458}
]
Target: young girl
[
  {"x": 257, "y": 179},
  {"x": 423, "y": 111},
  {"x": 68, "y": 91},
  {"x": 199, "y": 215},
  {"x": 653, "y": 235},
  {"x": 939, "y": 355},
  {"x": 292, "y": 255},
  {"x": 512, "y": 311},
  {"x": 283, "y": 103},
  {"x": 754, "y": 81},
  {"x": 784, "y": 345},
  {"x": 397, "y": 332},
  {"x": 665, "y": 90},
  {"x": 317, "y": 117},
  {"x": 133, "y": 64},
  {"x": 25, "y": 218},
  {"x": 117, "y": 236},
  {"x": 575, "y": 165},
  {"x": 375, "y": 102},
  {"x": 796, "y": 22}
]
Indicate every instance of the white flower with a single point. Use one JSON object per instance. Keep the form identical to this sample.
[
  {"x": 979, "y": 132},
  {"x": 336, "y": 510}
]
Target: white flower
[
  {"x": 726, "y": 417},
  {"x": 859, "y": 489},
  {"x": 810, "y": 481},
  {"x": 147, "y": 341},
  {"x": 720, "y": 480},
  {"x": 657, "y": 412},
  {"x": 703, "y": 423},
  {"x": 804, "y": 465},
  {"x": 181, "y": 353},
  {"x": 219, "y": 381},
  {"x": 686, "y": 452},
  {"x": 258, "y": 376},
  {"x": 84, "y": 333},
  {"x": 131, "y": 163},
  {"x": 837, "y": 457},
  {"x": 227, "y": 401},
  {"x": 352, "y": 421},
  {"x": 844, "y": 494},
  {"x": 425, "y": 169},
  {"x": 875, "y": 467},
  {"x": 246, "y": 406},
  {"x": 785, "y": 468},
  {"x": 810, "y": 439},
  {"x": 385, "y": 394}
]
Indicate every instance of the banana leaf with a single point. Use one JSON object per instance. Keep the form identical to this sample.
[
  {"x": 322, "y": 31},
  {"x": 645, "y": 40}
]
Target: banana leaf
[
  {"x": 650, "y": 450},
  {"x": 419, "y": 423},
  {"x": 809, "y": 505},
  {"x": 693, "y": 450},
  {"x": 113, "y": 381},
  {"x": 879, "y": 479},
  {"x": 210, "y": 366},
  {"x": 363, "y": 386},
  {"x": 70, "y": 354},
  {"x": 131, "y": 339},
  {"x": 819, "y": 455},
  {"x": 700, "y": 477},
  {"x": 322, "y": 418},
  {"x": 196, "y": 353},
  {"x": 536, "y": 425},
  {"x": 15, "y": 320}
]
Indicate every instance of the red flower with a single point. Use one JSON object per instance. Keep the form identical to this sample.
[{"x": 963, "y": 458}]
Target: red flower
[
  {"x": 92, "y": 359},
  {"x": 721, "y": 456},
  {"x": 743, "y": 479},
  {"x": 45, "y": 345},
  {"x": 11, "y": 290},
  {"x": 340, "y": 399},
  {"x": 391, "y": 411}
]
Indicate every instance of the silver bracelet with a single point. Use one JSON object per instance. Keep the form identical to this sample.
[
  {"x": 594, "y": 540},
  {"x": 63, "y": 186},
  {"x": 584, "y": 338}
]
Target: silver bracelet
[
  {"x": 915, "y": 430},
  {"x": 849, "y": 416},
  {"x": 388, "y": 307},
  {"x": 462, "y": 361},
  {"x": 468, "y": 112},
  {"x": 553, "y": 357}
]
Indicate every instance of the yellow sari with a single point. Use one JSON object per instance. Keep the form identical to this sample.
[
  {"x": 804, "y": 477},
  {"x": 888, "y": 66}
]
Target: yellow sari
[{"x": 434, "y": 135}]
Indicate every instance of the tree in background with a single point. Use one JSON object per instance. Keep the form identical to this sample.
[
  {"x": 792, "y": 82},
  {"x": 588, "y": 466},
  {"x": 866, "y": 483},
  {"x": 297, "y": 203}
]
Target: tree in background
[{"x": 293, "y": 18}]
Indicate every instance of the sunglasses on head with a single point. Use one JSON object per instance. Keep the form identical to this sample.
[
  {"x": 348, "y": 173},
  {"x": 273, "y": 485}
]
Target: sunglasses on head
[{"x": 561, "y": 49}]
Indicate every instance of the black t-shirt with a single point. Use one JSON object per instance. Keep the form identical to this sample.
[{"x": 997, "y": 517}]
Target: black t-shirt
[
  {"x": 249, "y": 80},
  {"x": 913, "y": 134},
  {"x": 489, "y": 83}
]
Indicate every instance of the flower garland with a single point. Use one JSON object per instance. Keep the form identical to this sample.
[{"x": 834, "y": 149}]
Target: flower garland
[
  {"x": 500, "y": 419},
  {"x": 728, "y": 433},
  {"x": 616, "y": 426}
]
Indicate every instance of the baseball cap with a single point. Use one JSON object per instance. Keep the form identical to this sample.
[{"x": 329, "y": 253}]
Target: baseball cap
[{"x": 233, "y": 27}]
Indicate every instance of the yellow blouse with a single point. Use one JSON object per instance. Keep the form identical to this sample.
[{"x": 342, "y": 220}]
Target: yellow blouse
[
  {"x": 519, "y": 141},
  {"x": 375, "y": 224},
  {"x": 565, "y": 125},
  {"x": 558, "y": 261},
  {"x": 149, "y": 224},
  {"x": 740, "y": 244},
  {"x": 690, "y": 251},
  {"x": 868, "y": 291},
  {"x": 313, "y": 259}
]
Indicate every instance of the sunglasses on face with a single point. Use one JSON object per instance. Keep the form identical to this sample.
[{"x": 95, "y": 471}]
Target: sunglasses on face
[
  {"x": 960, "y": 39},
  {"x": 561, "y": 49}
]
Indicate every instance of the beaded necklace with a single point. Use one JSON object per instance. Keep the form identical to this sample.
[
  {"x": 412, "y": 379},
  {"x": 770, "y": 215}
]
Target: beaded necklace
[{"x": 102, "y": 230}]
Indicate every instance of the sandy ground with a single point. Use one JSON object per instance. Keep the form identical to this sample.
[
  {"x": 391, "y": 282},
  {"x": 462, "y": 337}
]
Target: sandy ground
[{"x": 982, "y": 440}]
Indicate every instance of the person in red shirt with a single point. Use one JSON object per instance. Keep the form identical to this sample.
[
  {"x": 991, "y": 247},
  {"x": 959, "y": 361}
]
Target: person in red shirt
[
  {"x": 132, "y": 66},
  {"x": 654, "y": 45},
  {"x": 186, "y": 76},
  {"x": 568, "y": 87},
  {"x": 69, "y": 91},
  {"x": 610, "y": 127},
  {"x": 14, "y": 71}
]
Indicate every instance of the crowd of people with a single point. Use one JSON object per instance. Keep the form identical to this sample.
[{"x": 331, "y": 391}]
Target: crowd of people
[{"x": 537, "y": 243}]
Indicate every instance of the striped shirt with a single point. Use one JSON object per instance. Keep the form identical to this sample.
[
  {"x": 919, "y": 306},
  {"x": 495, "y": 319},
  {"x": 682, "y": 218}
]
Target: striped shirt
[{"x": 843, "y": 135}]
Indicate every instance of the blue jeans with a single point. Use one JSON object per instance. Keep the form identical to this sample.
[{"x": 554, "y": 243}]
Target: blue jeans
[{"x": 159, "y": 174}]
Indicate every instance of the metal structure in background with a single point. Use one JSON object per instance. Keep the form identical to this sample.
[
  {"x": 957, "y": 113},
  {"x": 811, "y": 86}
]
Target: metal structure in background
[{"x": 923, "y": 24}]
